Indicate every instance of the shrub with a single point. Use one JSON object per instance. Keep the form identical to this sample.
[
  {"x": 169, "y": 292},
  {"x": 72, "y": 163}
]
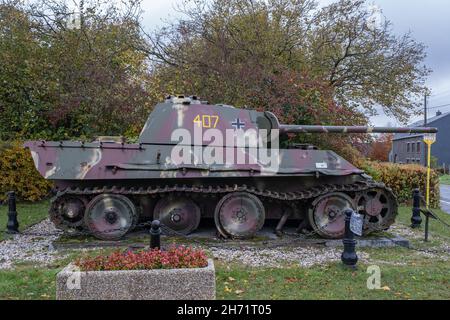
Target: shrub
[
  {"x": 402, "y": 179},
  {"x": 17, "y": 173},
  {"x": 173, "y": 258}
]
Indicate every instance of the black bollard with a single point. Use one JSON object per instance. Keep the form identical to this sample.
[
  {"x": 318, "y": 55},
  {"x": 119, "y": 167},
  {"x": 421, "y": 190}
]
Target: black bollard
[
  {"x": 349, "y": 257},
  {"x": 155, "y": 235},
  {"x": 13, "y": 225},
  {"x": 416, "y": 219}
]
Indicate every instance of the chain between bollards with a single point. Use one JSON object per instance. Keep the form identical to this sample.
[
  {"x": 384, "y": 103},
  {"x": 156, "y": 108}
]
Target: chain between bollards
[
  {"x": 349, "y": 256},
  {"x": 155, "y": 235},
  {"x": 12, "y": 226},
  {"x": 427, "y": 222},
  {"x": 416, "y": 219}
]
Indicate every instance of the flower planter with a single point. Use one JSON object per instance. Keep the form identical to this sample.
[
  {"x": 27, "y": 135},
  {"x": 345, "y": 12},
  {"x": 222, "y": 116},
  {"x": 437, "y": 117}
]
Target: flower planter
[{"x": 157, "y": 284}]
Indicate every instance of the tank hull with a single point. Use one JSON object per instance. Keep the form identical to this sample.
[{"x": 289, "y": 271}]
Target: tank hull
[
  {"x": 94, "y": 161},
  {"x": 140, "y": 173}
]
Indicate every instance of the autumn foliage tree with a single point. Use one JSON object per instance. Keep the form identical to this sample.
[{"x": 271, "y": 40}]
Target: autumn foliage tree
[
  {"x": 61, "y": 81},
  {"x": 308, "y": 64},
  {"x": 381, "y": 147},
  {"x": 226, "y": 48}
]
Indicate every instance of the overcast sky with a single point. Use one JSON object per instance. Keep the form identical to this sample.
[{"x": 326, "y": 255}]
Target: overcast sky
[{"x": 428, "y": 20}]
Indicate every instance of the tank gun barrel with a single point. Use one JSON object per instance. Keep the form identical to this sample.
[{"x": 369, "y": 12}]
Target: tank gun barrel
[{"x": 352, "y": 129}]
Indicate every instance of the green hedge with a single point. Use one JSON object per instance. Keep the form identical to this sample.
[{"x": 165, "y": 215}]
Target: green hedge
[
  {"x": 402, "y": 179},
  {"x": 17, "y": 173}
]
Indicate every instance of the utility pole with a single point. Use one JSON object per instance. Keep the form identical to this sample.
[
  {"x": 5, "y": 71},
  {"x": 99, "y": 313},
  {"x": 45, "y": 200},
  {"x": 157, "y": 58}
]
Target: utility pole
[
  {"x": 425, "y": 120},
  {"x": 81, "y": 13}
]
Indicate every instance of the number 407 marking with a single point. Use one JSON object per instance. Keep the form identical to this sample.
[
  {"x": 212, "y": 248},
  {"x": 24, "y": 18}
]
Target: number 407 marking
[{"x": 206, "y": 121}]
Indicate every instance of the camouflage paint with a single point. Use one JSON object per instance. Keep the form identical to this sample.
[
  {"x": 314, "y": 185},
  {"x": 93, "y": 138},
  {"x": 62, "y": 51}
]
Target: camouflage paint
[{"x": 151, "y": 158}]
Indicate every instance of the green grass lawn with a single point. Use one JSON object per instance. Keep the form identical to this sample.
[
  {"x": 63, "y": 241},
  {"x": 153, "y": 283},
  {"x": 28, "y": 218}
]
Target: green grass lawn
[
  {"x": 435, "y": 227},
  {"x": 28, "y": 283},
  {"x": 28, "y": 214},
  {"x": 444, "y": 179},
  {"x": 405, "y": 273},
  {"x": 333, "y": 281}
]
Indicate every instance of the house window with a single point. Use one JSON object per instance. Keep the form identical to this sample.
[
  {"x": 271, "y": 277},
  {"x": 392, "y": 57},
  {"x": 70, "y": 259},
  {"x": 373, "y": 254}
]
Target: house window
[
  {"x": 407, "y": 160},
  {"x": 413, "y": 147},
  {"x": 407, "y": 147},
  {"x": 418, "y": 147}
]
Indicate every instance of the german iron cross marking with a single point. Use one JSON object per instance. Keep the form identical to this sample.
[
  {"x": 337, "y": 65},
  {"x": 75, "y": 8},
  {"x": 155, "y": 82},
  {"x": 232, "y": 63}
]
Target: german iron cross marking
[{"x": 237, "y": 124}]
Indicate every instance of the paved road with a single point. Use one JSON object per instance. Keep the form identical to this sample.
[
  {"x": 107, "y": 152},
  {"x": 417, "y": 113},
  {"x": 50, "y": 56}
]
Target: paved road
[{"x": 445, "y": 198}]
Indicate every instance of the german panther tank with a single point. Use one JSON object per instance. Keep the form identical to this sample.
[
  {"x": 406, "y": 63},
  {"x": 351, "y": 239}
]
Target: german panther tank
[{"x": 194, "y": 161}]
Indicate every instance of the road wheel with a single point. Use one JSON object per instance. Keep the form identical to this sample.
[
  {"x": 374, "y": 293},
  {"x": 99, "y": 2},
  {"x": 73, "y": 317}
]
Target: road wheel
[
  {"x": 379, "y": 208},
  {"x": 67, "y": 212},
  {"x": 327, "y": 217},
  {"x": 110, "y": 216},
  {"x": 239, "y": 215},
  {"x": 178, "y": 213}
]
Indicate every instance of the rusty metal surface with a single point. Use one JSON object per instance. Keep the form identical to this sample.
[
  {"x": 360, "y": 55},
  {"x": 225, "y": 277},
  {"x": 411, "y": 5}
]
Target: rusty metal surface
[
  {"x": 327, "y": 214},
  {"x": 178, "y": 213},
  {"x": 239, "y": 215},
  {"x": 108, "y": 212}
]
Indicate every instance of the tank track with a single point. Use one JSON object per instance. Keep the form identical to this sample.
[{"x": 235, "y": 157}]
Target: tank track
[{"x": 303, "y": 195}]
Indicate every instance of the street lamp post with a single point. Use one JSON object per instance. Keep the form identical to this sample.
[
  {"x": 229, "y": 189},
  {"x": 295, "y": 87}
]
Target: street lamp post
[{"x": 429, "y": 139}]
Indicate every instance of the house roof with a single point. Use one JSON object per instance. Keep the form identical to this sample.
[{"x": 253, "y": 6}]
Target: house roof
[
  {"x": 399, "y": 136},
  {"x": 429, "y": 121}
]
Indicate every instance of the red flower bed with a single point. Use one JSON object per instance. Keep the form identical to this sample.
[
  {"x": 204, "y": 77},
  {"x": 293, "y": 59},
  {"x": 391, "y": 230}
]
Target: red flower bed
[{"x": 173, "y": 258}]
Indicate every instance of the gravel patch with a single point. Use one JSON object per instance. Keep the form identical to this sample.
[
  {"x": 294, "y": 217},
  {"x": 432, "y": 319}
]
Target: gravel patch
[
  {"x": 405, "y": 231},
  {"x": 440, "y": 253},
  {"x": 33, "y": 245},
  {"x": 278, "y": 258}
]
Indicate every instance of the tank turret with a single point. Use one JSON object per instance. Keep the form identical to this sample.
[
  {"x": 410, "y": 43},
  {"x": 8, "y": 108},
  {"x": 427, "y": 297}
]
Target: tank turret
[{"x": 190, "y": 113}]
